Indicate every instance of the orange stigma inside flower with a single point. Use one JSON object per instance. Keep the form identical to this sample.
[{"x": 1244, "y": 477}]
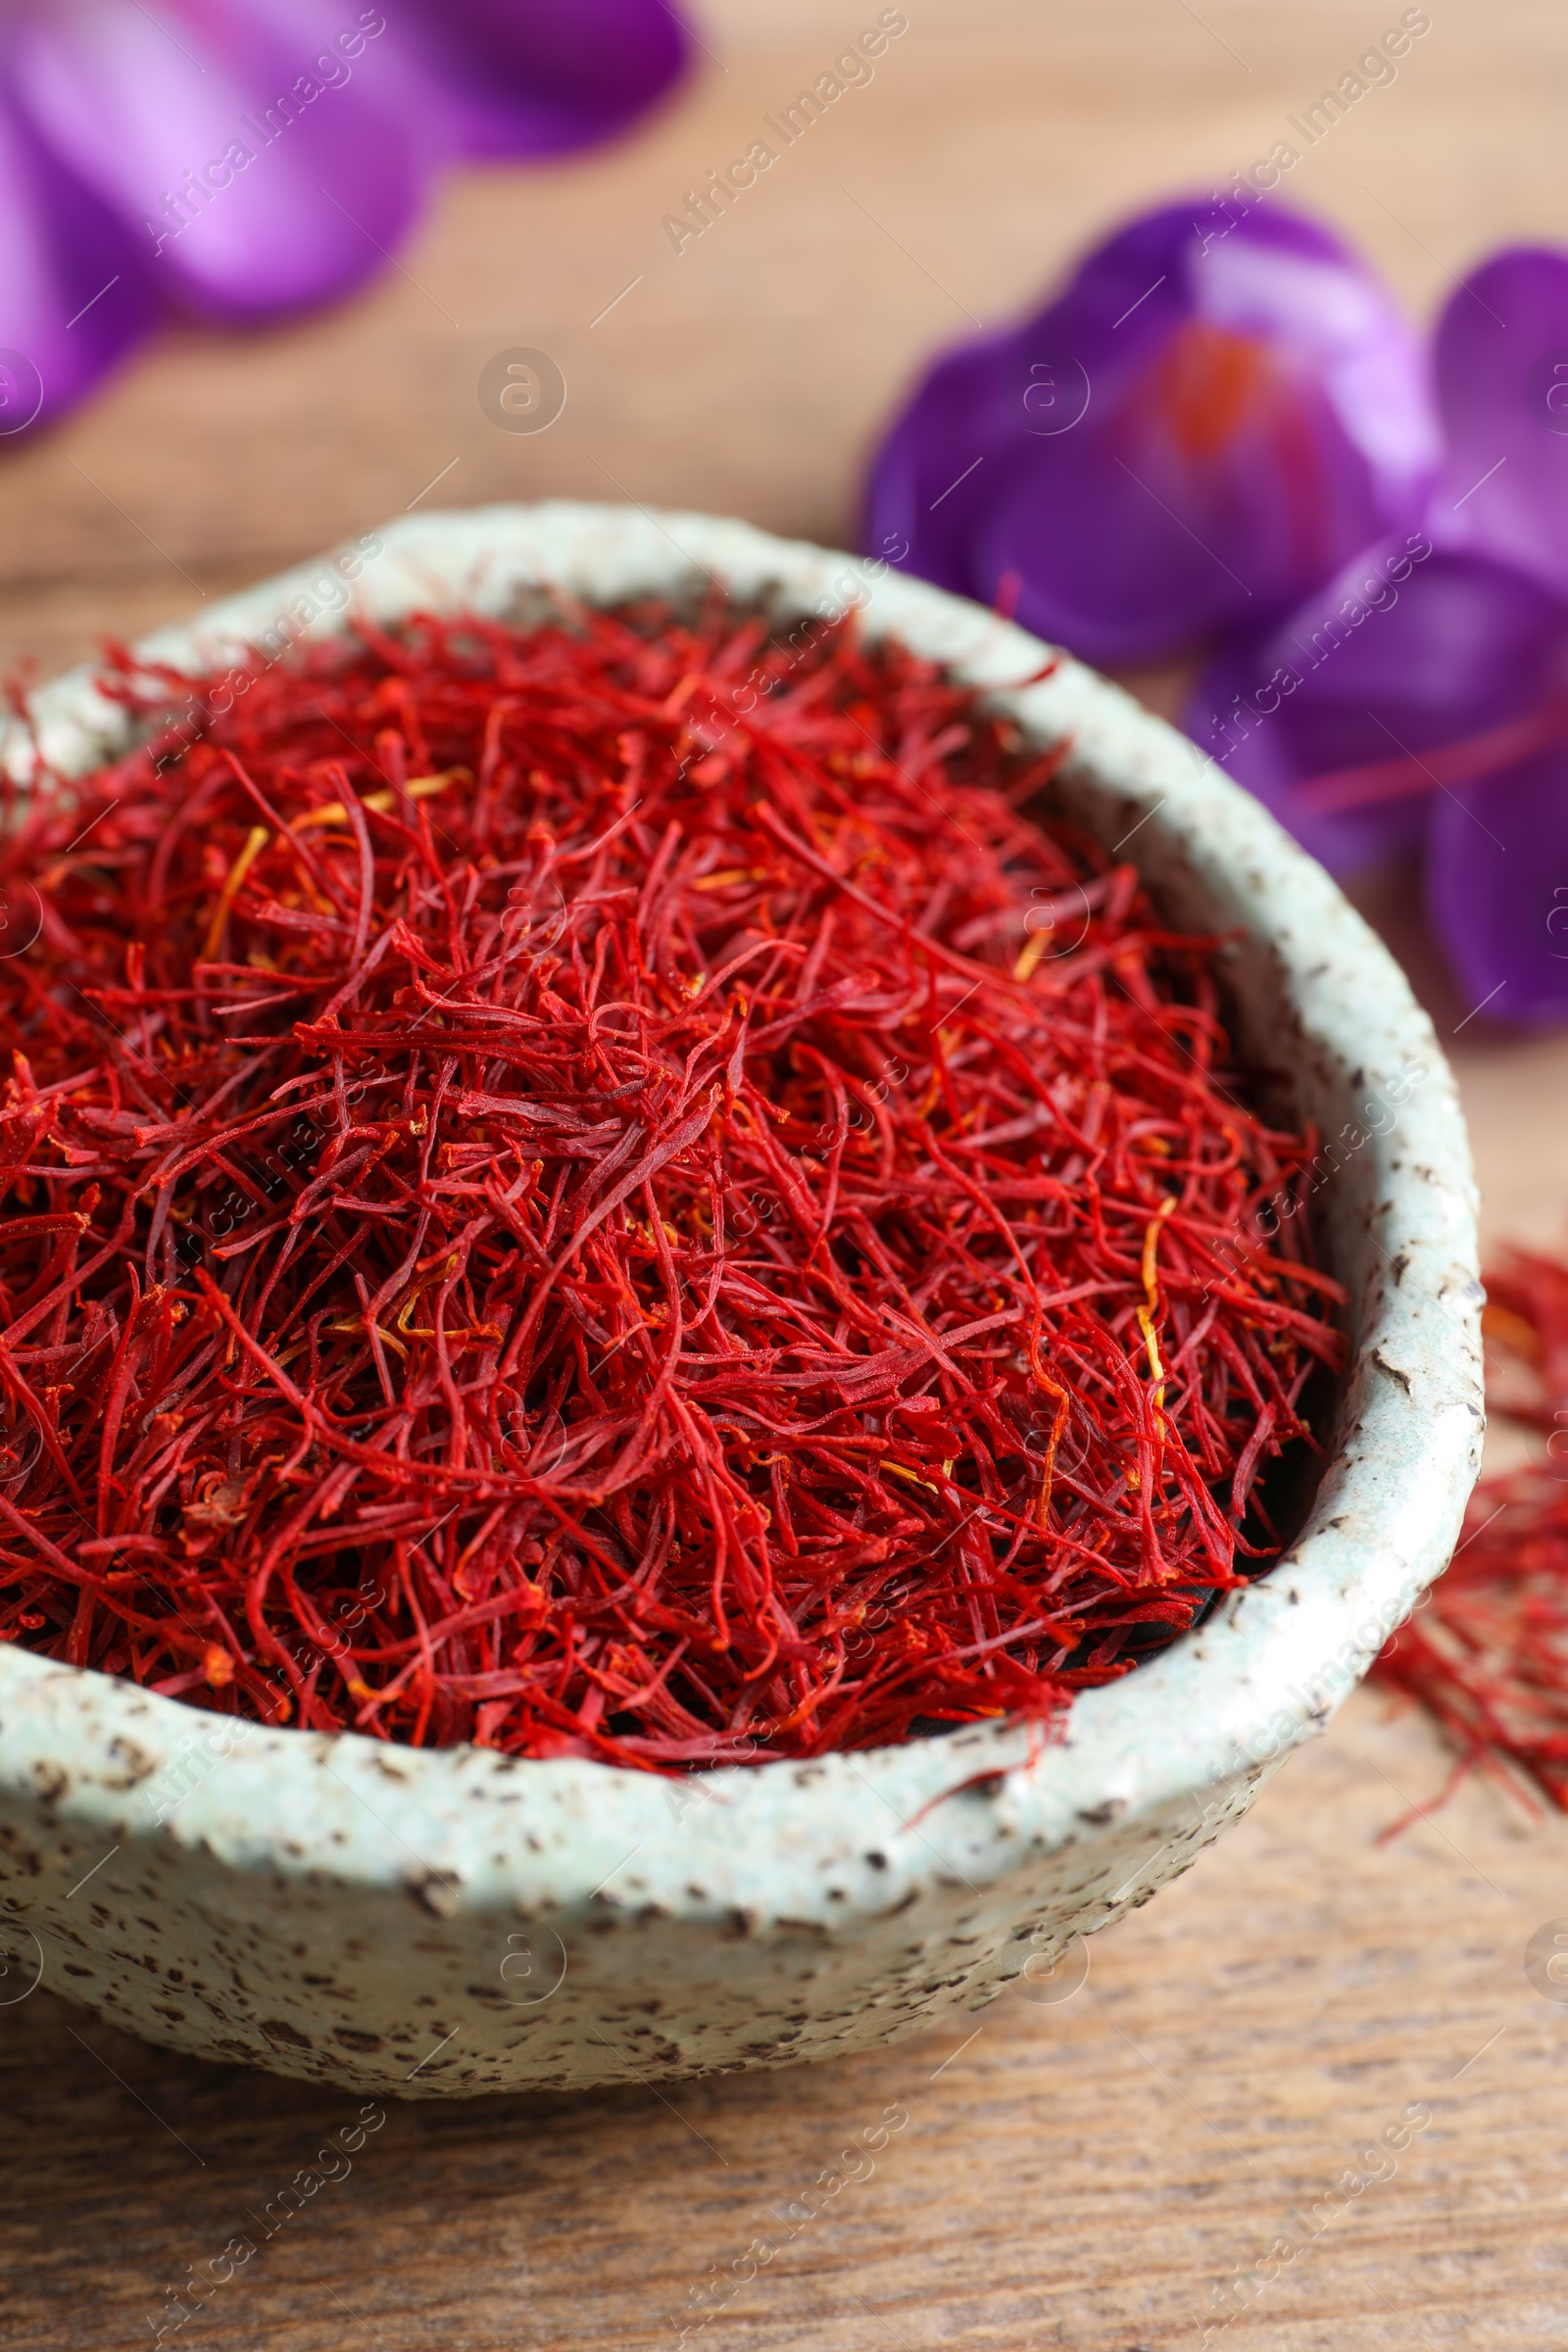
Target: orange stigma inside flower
[{"x": 1205, "y": 383}]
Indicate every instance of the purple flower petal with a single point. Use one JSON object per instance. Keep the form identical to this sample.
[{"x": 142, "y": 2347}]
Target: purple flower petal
[
  {"x": 543, "y": 77},
  {"x": 72, "y": 287},
  {"x": 250, "y": 150},
  {"x": 1215, "y": 415},
  {"x": 1403, "y": 654},
  {"x": 958, "y": 409},
  {"x": 1498, "y": 889},
  {"x": 1501, "y": 370}
]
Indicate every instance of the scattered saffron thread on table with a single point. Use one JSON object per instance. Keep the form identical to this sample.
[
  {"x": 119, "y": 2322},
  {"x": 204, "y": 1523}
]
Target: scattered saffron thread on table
[
  {"x": 602, "y": 1188},
  {"x": 1487, "y": 1654}
]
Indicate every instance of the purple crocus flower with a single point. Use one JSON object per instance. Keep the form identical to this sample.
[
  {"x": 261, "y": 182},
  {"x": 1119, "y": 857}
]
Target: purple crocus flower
[
  {"x": 1421, "y": 699},
  {"x": 1501, "y": 360},
  {"x": 240, "y": 157},
  {"x": 1218, "y": 412}
]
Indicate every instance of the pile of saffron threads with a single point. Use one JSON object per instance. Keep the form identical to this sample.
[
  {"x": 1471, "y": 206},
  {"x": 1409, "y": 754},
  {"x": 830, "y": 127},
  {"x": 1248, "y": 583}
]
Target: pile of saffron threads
[
  {"x": 1488, "y": 1653},
  {"x": 602, "y": 1189}
]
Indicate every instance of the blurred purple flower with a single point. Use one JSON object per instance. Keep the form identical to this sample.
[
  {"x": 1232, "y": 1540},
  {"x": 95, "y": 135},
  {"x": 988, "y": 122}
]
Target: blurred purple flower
[
  {"x": 240, "y": 157},
  {"x": 1215, "y": 415},
  {"x": 1500, "y": 362},
  {"x": 1430, "y": 709}
]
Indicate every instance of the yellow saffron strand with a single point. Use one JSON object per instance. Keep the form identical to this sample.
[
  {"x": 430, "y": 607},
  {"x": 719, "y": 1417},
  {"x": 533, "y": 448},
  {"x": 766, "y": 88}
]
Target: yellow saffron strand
[{"x": 1151, "y": 1308}]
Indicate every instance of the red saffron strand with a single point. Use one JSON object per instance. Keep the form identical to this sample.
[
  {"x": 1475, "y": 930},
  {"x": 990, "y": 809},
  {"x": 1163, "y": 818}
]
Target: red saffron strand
[
  {"x": 606, "y": 1189},
  {"x": 1487, "y": 1654}
]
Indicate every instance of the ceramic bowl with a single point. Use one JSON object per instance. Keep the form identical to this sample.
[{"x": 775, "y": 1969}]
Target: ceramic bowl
[{"x": 450, "y": 1922}]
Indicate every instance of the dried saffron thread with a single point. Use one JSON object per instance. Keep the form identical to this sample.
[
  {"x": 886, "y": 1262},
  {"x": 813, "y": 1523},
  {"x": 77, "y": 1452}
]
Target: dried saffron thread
[
  {"x": 1487, "y": 1654},
  {"x": 554, "y": 1196}
]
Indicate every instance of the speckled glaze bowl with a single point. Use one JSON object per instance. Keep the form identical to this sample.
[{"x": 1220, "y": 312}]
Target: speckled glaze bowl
[{"x": 454, "y": 1922}]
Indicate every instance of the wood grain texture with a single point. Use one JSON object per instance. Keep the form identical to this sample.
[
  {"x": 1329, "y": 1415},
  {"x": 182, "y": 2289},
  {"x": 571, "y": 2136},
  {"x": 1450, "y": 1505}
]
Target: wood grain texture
[{"x": 1080, "y": 2175}]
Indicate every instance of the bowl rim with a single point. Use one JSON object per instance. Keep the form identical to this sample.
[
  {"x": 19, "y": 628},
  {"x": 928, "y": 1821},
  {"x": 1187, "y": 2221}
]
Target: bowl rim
[{"x": 1218, "y": 1708}]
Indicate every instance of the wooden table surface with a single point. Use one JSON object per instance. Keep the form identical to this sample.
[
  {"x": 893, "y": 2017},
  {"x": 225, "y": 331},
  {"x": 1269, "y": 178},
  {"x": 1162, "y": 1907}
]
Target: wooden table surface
[{"x": 1080, "y": 2175}]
